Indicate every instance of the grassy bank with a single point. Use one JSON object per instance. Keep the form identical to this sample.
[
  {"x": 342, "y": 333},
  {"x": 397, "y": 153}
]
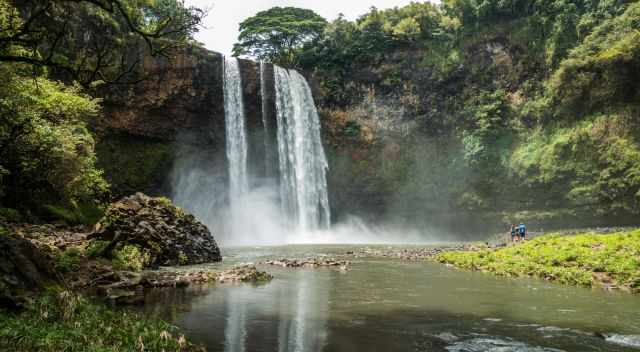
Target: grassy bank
[
  {"x": 607, "y": 260},
  {"x": 66, "y": 322}
]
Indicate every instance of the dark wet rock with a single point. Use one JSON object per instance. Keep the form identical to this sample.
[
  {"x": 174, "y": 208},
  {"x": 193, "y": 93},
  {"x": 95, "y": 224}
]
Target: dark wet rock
[
  {"x": 176, "y": 111},
  {"x": 181, "y": 94},
  {"x": 486, "y": 344},
  {"x": 24, "y": 268},
  {"x": 167, "y": 234},
  {"x": 309, "y": 263}
]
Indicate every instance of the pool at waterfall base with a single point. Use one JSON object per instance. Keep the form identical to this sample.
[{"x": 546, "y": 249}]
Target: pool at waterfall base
[{"x": 383, "y": 304}]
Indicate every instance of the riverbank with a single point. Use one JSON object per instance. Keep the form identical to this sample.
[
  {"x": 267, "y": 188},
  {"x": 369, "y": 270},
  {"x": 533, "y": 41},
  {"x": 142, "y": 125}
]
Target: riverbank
[
  {"x": 610, "y": 261},
  {"x": 64, "y": 321},
  {"x": 60, "y": 284}
]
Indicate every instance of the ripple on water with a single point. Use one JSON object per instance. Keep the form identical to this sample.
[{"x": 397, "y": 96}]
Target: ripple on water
[
  {"x": 496, "y": 345},
  {"x": 624, "y": 340}
]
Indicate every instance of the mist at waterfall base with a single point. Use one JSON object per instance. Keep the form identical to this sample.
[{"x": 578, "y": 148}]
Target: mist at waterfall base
[
  {"x": 288, "y": 207},
  {"x": 204, "y": 194}
]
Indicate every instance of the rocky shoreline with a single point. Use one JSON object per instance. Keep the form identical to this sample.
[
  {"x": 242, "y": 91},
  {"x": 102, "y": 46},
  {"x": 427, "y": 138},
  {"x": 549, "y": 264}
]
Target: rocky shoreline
[
  {"x": 117, "y": 259},
  {"x": 410, "y": 254},
  {"x": 130, "y": 287}
]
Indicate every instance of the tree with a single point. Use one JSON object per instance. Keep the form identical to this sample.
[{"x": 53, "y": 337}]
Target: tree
[
  {"x": 276, "y": 34},
  {"x": 93, "y": 40},
  {"x": 47, "y": 157}
]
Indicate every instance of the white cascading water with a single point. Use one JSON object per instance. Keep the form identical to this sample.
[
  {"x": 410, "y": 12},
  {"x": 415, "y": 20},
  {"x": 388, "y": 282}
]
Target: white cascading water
[
  {"x": 236, "y": 137},
  {"x": 302, "y": 161}
]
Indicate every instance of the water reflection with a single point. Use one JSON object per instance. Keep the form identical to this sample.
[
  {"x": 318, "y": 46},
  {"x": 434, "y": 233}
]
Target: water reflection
[
  {"x": 284, "y": 315},
  {"x": 305, "y": 330},
  {"x": 235, "y": 334}
]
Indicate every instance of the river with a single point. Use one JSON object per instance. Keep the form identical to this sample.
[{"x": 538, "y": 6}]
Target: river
[{"x": 384, "y": 304}]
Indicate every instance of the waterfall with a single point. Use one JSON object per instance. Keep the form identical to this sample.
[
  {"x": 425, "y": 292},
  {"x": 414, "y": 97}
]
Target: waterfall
[
  {"x": 236, "y": 138},
  {"x": 302, "y": 161}
]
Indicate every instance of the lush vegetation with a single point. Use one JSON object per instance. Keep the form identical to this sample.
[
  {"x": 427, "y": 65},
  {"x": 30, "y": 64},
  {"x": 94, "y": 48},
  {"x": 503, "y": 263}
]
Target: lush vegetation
[
  {"x": 66, "y": 322},
  {"x": 47, "y": 152},
  {"x": 45, "y": 34},
  {"x": 529, "y": 108},
  {"x": 611, "y": 260},
  {"x": 50, "y": 71}
]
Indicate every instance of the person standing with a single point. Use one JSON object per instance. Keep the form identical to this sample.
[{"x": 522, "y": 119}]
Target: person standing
[
  {"x": 522, "y": 231},
  {"x": 514, "y": 233}
]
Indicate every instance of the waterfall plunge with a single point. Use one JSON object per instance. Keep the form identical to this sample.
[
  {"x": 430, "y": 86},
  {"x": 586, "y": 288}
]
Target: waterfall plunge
[
  {"x": 242, "y": 209},
  {"x": 303, "y": 164},
  {"x": 236, "y": 138}
]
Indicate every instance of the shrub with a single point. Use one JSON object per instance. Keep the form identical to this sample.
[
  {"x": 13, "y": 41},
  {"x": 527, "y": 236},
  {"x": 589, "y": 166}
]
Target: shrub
[
  {"x": 69, "y": 260},
  {"x": 46, "y": 150},
  {"x": 130, "y": 257}
]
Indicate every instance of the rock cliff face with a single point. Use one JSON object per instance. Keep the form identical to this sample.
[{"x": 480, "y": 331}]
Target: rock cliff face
[
  {"x": 178, "y": 109},
  {"x": 177, "y": 96}
]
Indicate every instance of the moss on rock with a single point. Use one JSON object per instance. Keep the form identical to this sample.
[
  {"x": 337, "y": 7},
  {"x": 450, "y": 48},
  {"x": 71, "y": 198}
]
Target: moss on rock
[{"x": 162, "y": 233}]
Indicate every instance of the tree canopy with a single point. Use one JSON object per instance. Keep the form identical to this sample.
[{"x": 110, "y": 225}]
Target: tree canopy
[
  {"x": 277, "y": 33},
  {"x": 93, "y": 40},
  {"x": 47, "y": 158}
]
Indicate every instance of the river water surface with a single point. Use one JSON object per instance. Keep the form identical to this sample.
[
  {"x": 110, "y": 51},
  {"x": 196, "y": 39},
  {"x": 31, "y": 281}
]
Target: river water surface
[{"x": 391, "y": 305}]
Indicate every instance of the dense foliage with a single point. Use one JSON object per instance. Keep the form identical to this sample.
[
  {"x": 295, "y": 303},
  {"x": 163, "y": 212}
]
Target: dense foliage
[
  {"x": 586, "y": 259},
  {"x": 66, "y": 322},
  {"x": 51, "y": 52},
  {"x": 93, "y": 41},
  {"x": 530, "y": 107},
  {"x": 277, "y": 33},
  {"x": 47, "y": 156}
]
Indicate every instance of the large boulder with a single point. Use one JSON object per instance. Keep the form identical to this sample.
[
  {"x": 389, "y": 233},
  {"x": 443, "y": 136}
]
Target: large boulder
[
  {"x": 24, "y": 269},
  {"x": 164, "y": 233}
]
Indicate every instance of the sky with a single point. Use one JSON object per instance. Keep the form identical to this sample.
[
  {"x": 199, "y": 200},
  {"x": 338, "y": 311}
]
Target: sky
[{"x": 220, "y": 30}]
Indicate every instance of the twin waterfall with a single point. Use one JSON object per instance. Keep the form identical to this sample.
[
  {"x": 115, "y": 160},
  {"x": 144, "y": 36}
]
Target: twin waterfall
[{"x": 302, "y": 163}]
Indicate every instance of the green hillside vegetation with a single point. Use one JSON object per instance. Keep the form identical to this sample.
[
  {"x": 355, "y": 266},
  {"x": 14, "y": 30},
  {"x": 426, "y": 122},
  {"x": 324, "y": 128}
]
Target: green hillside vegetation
[
  {"x": 535, "y": 105},
  {"x": 611, "y": 260}
]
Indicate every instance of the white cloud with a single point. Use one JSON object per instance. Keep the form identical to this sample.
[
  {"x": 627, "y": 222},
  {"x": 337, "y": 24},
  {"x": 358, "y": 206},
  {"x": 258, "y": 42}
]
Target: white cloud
[{"x": 221, "y": 26}]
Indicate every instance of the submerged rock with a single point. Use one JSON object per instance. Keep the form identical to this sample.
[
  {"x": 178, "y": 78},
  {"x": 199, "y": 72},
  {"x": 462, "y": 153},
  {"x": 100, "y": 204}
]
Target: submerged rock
[
  {"x": 309, "y": 263},
  {"x": 623, "y": 340},
  {"x": 408, "y": 254},
  {"x": 164, "y": 233},
  {"x": 486, "y": 344}
]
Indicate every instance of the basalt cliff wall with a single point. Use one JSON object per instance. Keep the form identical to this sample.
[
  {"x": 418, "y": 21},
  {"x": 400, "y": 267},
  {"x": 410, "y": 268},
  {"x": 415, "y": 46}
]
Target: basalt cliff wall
[{"x": 177, "y": 108}]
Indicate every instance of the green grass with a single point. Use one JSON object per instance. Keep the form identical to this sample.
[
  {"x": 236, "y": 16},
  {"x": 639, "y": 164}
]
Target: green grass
[
  {"x": 66, "y": 322},
  {"x": 586, "y": 259}
]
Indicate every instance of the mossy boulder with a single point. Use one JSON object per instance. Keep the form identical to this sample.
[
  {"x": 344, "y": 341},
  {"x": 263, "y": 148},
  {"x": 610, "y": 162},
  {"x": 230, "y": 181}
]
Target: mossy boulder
[{"x": 164, "y": 234}]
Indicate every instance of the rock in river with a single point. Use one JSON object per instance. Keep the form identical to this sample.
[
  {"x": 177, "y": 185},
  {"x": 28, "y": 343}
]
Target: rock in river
[{"x": 165, "y": 233}]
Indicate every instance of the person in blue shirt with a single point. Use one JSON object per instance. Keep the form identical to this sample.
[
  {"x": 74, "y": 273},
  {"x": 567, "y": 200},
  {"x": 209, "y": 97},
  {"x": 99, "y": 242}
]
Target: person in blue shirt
[{"x": 522, "y": 231}]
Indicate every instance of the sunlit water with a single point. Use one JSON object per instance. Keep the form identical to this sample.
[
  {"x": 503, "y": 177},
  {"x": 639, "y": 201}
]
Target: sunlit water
[{"x": 390, "y": 305}]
